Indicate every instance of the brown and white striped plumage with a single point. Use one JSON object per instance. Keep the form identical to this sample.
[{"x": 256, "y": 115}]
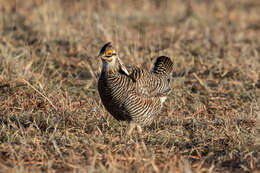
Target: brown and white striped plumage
[{"x": 131, "y": 93}]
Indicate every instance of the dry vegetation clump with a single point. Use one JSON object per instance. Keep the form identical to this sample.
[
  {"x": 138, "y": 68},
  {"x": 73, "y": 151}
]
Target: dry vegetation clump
[{"x": 51, "y": 117}]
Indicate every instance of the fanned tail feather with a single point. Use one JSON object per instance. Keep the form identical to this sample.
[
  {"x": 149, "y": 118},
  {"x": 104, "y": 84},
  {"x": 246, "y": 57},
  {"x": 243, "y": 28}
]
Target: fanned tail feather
[{"x": 163, "y": 65}]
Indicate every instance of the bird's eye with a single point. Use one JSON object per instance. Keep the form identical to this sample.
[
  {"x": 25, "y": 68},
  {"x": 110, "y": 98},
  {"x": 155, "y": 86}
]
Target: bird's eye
[{"x": 109, "y": 52}]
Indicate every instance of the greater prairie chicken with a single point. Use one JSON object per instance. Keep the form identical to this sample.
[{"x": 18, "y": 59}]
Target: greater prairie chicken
[{"x": 131, "y": 93}]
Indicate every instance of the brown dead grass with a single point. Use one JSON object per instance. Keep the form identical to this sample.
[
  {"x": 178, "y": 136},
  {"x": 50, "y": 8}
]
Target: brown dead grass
[{"x": 51, "y": 116}]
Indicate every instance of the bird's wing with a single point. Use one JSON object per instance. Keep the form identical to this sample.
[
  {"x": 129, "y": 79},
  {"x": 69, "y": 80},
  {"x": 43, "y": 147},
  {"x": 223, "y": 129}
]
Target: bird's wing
[{"x": 149, "y": 84}]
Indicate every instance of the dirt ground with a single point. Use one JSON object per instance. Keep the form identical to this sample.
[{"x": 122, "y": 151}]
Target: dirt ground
[{"x": 51, "y": 117}]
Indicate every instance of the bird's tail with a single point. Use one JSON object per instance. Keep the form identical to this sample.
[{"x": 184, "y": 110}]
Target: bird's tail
[{"x": 163, "y": 65}]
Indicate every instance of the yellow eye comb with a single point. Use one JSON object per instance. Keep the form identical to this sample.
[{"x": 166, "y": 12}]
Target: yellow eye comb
[{"x": 109, "y": 52}]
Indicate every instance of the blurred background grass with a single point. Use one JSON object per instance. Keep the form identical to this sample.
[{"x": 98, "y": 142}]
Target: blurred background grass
[{"x": 51, "y": 116}]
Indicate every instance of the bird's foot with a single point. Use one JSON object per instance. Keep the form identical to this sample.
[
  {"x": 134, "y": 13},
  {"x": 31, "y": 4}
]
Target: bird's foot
[{"x": 132, "y": 127}]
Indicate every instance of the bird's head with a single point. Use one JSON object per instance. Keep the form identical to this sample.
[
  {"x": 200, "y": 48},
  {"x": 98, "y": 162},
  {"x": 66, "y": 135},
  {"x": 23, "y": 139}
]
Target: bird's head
[
  {"x": 108, "y": 54},
  {"x": 111, "y": 61}
]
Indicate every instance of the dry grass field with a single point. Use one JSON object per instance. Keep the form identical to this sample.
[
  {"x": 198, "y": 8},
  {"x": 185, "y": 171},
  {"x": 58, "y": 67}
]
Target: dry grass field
[{"x": 51, "y": 117}]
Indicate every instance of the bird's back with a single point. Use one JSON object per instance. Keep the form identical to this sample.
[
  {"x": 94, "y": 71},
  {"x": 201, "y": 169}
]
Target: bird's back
[{"x": 155, "y": 83}]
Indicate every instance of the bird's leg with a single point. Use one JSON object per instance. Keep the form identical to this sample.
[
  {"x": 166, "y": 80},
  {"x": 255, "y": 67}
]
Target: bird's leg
[
  {"x": 139, "y": 129},
  {"x": 132, "y": 127}
]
